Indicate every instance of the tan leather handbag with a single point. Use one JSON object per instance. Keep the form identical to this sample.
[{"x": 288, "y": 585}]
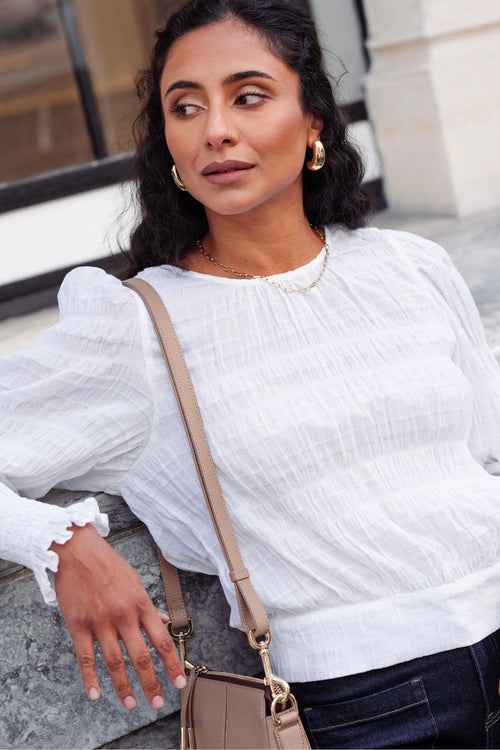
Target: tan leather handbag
[{"x": 220, "y": 710}]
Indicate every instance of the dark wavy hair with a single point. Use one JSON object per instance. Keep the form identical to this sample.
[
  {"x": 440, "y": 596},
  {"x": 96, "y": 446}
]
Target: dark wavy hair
[{"x": 172, "y": 220}]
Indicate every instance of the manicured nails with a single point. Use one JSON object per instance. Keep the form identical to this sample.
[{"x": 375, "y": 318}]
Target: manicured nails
[
  {"x": 129, "y": 702},
  {"x": 157, "y": 702},
  {"x": 180, "y": 682},
  {"x": 93, "y": 693}
]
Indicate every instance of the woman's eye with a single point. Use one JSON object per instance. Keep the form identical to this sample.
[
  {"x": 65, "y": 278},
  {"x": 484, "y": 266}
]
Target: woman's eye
[
  {"x": 250, "y": 97},
  {"x": 185, "y": 110}
]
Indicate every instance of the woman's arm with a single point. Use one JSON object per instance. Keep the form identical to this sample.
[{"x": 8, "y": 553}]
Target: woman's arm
[{"x": 76, "y": 410}]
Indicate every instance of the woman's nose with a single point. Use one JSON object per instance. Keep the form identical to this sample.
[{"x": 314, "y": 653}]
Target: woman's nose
[{"x": 220, "y": 130}]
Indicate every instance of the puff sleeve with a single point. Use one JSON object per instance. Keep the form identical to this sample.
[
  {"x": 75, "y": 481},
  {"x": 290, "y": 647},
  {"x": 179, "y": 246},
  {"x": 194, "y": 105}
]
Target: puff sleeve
[
  {"x": 472, "y": 353},
  {"x": 75, "y": 412}
]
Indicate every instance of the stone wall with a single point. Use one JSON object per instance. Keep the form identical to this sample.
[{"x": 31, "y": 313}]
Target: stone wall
[{"x": 43, "y": 703}]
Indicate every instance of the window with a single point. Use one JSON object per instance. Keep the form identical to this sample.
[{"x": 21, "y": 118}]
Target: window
[
  {"x": 42, "y": 125},
  {"x": 67, "y": 95}
]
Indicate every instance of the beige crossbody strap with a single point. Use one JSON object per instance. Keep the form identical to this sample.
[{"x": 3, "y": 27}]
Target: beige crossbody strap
[
  {"x": 252, "y": 613},
  {"x": 173, "y": 593}
]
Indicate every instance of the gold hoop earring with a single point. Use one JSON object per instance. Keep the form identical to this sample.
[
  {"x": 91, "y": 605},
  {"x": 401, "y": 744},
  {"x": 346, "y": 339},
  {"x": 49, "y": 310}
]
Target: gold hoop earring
[
  {"x": 318, "y": 158},
  {"x": 177, "y": 179}
]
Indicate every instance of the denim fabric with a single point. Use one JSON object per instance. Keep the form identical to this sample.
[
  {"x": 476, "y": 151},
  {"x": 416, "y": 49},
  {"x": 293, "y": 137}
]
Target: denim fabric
[{"x": 448, "y": 700}]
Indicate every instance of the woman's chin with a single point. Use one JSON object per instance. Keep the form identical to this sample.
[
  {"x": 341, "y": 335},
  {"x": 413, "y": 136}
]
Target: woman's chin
[
  {"x": 232, "y": 204},
  {"x": 232, "y": 207}
]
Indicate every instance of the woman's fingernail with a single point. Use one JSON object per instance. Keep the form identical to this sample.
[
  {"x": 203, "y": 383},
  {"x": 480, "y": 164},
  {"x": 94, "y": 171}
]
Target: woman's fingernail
[
  {"x": 93, "y": 694},
  {"x": 129, "y": 702},
  {"x": 157, "y": 702},
  {"x": 180, "y": 682}
]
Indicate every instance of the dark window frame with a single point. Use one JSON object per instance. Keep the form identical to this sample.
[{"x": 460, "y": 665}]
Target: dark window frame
[{"x": 61, "y": 183}]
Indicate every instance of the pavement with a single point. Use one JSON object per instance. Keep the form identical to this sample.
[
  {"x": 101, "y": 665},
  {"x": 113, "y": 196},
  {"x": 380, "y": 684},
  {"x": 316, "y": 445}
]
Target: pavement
[{"x": 473, "y": 243}]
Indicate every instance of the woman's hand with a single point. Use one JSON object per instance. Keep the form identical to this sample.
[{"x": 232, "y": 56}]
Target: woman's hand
[{"x": 102, "y": 598}]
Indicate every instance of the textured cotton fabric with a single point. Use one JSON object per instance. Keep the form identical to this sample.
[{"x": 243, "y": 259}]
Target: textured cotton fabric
[{"x": 355, "y": 430}]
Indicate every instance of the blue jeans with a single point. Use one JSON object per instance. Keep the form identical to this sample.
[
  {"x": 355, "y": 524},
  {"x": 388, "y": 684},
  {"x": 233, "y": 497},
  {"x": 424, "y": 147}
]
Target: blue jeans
[{"x": 445, "y": 700}]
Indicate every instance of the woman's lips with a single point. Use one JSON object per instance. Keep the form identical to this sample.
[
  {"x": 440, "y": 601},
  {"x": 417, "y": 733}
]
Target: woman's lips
[
  {"x": 226, "y": 172},
  {"x": 218, "y": 167}
]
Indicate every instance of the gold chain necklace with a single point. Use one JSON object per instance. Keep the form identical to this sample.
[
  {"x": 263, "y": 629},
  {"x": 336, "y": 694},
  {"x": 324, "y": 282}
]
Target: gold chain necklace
[{"x": 287, "y": 289}]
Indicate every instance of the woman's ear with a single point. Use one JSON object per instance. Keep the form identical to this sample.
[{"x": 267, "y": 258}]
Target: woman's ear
[{"x": 315, "y": 130}]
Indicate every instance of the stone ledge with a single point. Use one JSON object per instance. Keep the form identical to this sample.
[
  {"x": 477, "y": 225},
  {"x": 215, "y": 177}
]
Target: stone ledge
[{"x": 42, "y": 698}]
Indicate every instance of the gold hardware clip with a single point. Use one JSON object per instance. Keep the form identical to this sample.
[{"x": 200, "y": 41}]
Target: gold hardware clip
[
  {"x": 181, "y": 637},
  {"x": 280, "y": 689}
]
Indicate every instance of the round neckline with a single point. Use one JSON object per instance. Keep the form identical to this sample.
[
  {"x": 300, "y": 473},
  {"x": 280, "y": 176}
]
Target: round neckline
[{"x": 289, "y": 275}]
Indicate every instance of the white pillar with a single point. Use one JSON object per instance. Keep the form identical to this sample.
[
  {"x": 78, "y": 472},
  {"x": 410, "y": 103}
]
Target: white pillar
[{"x": 433, "y": 96}]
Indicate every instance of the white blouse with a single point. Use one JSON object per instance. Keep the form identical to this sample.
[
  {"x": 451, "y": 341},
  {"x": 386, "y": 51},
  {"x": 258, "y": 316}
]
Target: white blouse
[{"x": 355, "y": 430}]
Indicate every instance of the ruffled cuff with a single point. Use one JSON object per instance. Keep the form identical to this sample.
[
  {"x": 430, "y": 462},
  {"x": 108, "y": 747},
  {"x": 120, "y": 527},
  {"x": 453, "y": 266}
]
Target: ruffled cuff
[
  {"x": 30, "y": 527},
  {"x": 46, "y": 561}
]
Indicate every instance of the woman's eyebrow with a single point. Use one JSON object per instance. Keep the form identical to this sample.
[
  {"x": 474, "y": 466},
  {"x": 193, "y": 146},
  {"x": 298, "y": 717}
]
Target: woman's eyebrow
[
  {"x": 182, "y": 85},
  {"x": 236, "y": 77},
  {"x": 233, "y": 78}
]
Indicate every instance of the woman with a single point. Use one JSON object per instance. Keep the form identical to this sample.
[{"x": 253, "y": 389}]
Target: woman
[{"x": 348, "y": 394}]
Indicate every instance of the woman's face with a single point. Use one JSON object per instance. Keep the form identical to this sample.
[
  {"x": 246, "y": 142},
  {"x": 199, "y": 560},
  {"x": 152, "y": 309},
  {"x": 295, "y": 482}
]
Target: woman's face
[{"x": 234, "y": 122}]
